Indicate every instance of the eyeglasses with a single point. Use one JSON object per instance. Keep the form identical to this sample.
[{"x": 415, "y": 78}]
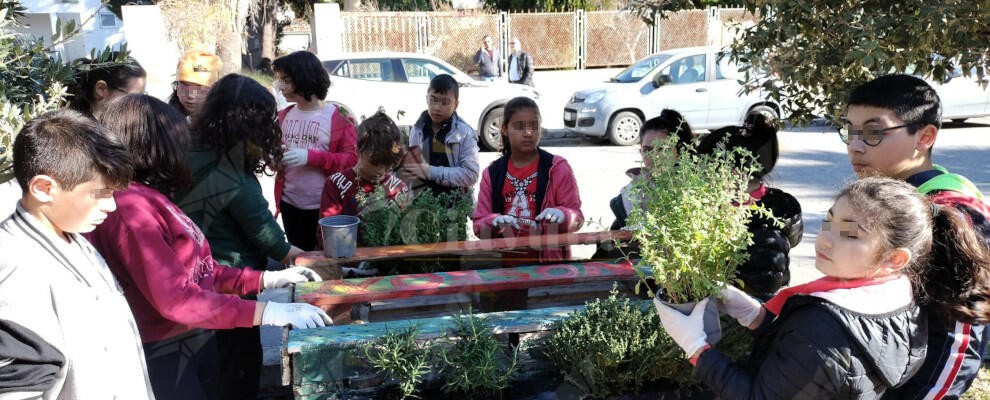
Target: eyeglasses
[
  {"x": 869, "y": 136},
  {"x": 439, "y": 101},
  {"x": 533, "y": 126}
]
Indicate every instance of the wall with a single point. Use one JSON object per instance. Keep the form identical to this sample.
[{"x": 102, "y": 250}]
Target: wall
[{"x": 92, "y": 37}]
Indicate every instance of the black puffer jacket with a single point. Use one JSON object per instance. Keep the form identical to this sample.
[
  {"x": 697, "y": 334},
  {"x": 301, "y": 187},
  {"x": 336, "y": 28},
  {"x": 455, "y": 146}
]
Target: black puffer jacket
[
  {"x": 816, "y": 349},
  {"x": 768, "y": 267}
]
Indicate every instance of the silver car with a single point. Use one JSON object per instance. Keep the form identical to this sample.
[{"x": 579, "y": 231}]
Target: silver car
[{"x": 693, "y": 81}]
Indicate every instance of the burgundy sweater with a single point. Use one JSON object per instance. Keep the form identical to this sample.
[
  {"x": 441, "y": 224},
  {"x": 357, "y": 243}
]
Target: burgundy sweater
[{"x": 164, "y": 265}]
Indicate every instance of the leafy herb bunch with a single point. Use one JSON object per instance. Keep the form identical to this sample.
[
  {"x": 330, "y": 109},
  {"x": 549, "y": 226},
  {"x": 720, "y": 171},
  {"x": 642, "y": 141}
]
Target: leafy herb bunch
[
  {"x": 429, "y": 218},
  {"x": 614, "y": 347},
  {"x": 690, "y": 214},
  {"x": 401, "y": 356},
  {"x": 474, "y": 363}
]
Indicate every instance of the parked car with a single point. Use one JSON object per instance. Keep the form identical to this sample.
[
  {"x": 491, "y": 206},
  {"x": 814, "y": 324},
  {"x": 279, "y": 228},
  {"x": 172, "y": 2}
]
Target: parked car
[
  {"x": 962, "y": 97},
  {"x": 693, "y": 81},
  {"x": 397, "y": 83}
]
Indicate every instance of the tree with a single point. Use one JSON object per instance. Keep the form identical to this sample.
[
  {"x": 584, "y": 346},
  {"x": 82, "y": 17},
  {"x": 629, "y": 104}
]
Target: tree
[
  {"x": 808, "y": 54},
  {"x": 34, "y": 82}
]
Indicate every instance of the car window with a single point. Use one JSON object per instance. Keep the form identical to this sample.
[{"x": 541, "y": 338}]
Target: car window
[
  {"x": 371, "y": 70},
  {"x": 689, "y": 69},
  {"x": 337, "y": 68},
  {"x": 637, "y": 71},
  {"x": 422, "y": 71},
  {"x": 726, "y": 69}
]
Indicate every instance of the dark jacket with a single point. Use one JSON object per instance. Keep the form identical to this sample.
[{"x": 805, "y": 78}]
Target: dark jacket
[
  {"x": 768, "y": 267},
  {"x": 227, "y": 204},
  {"x": 524, "y": 65},
  {"x": 816, "y": 349},
  {"x": 954, "y": 351}
]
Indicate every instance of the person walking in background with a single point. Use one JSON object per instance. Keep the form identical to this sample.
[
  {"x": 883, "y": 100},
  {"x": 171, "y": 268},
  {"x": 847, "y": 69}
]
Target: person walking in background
[
  {"x": 520, "y": 64},
  {"x": 196, "y": 72},
  {"x": 489, "y": 60},
  {"x": 319, "y": 140}
]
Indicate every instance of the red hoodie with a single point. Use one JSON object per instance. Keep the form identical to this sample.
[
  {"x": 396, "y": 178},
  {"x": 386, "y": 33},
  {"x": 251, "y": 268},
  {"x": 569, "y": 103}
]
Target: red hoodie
[
  {"x": 562, "y": 194},
  {"x": 164, "y": 265}
]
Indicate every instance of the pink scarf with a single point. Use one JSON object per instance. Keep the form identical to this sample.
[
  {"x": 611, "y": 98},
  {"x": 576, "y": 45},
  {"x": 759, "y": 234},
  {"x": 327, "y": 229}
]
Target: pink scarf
[{"x": 825, "y": 284}]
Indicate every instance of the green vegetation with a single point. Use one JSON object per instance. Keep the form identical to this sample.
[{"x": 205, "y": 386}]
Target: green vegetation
[
  {"x": 688, "y": 219},
  {"x": 474, "y": 363},
  {"x": 402, "y": 357}
]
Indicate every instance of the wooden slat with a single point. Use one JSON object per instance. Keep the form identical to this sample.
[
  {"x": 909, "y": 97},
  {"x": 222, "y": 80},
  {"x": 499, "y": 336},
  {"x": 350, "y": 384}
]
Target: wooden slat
[
  {"x": 341, "y": 336},
  {"x": 317, "y": 259},
  {"x": 348, "y": 291}
]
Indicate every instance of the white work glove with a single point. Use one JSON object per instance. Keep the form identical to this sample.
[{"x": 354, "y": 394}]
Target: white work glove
[
  {"x": 740, "y": 305},
  {"x": 288, "y": 276},
  {"x": 687, "y": 330},
  {"x": 295, "y": 157},
  {"x": 503, "y": 221},
  {"x": 551, "y": 215},
  {"x": 299, "y": 315}
]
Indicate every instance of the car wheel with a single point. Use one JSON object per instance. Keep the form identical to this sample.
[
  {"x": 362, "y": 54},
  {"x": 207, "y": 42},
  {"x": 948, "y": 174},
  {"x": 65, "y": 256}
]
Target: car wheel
[
  {"x": 764, "y": 109},
  {"x": 624, "y": 128},
  {"x": 490, "y": 132}
]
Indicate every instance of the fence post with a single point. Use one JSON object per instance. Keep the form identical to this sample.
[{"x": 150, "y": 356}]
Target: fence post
[
  {"x": 580, "y": 38},
  {"x": 503, "y": 37},
  {"x": 422, "y": 21},
  {"x": 653, "y": 38},
  {"x": 714, "y": 23}
]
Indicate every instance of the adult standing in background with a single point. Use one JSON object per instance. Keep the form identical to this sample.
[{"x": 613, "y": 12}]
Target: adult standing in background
[
  {"x": 520, "y": 64},
  {"x": 489, "y": 60}
]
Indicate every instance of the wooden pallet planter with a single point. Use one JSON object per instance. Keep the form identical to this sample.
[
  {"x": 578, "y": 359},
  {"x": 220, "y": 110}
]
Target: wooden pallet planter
[
  {"x": 329, "y": 268},
  {"x": 329, "y": 363},
  {"x": 320, "y": 360}
]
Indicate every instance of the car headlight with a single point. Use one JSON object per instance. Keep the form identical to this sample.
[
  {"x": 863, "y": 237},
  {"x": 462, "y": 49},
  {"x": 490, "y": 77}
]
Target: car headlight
[{"x": 595, "y": 97}]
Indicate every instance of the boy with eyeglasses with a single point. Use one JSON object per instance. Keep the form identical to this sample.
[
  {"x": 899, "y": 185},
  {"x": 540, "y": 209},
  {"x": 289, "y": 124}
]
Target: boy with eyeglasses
[
  {"x": 890, "y": 129},
  {"x": 443, "y": 149}
]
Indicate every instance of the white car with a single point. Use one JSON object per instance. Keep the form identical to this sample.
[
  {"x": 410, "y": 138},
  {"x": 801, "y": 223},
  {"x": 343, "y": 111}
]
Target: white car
[
  {"x": 693, "y": 81},
  {"x": 397, "y": 83}
]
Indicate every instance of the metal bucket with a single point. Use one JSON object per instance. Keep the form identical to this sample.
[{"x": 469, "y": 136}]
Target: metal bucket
[{"x": 340, "y": 234}]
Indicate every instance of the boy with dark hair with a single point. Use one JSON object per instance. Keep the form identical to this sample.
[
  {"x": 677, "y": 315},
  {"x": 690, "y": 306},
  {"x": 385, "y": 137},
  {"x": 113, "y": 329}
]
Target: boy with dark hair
[
  {"x": 890, "y": 128},
  {"x": 443, "y": 149},
  {"x": 67, "y": 331}
]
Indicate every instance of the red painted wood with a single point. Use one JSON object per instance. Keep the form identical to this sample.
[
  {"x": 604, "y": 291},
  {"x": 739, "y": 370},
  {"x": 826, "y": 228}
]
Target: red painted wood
[
  {"x": 316, "y": 258},
  {"x": 349, "y": 291}
]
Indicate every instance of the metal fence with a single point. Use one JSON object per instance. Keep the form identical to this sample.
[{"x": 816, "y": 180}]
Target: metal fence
[{"x": 555, "y": 40}]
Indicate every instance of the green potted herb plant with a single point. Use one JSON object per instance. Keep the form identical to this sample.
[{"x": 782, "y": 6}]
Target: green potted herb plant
[{"x": 689, "y": 218}]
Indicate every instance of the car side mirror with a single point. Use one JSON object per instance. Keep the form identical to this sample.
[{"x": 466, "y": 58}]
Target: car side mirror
[{"x": 661, "y": 79}]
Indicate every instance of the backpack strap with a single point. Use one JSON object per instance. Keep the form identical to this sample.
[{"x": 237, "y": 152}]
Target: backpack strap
[
  {"x": 950, "y": 181},
  {"x": 542, "y": 178},
  {"x": 496, "y": 173}
]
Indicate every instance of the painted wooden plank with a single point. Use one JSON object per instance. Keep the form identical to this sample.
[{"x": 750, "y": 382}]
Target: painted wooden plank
[
  {"x": 518, "y": 321},
  {"x": 348, "y": 291},
  {"x": 316, "y": 258}
]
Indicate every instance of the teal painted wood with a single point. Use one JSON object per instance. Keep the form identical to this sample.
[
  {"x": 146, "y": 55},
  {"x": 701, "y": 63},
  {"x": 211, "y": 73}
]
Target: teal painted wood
[{"x": 301, "y": 340}]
